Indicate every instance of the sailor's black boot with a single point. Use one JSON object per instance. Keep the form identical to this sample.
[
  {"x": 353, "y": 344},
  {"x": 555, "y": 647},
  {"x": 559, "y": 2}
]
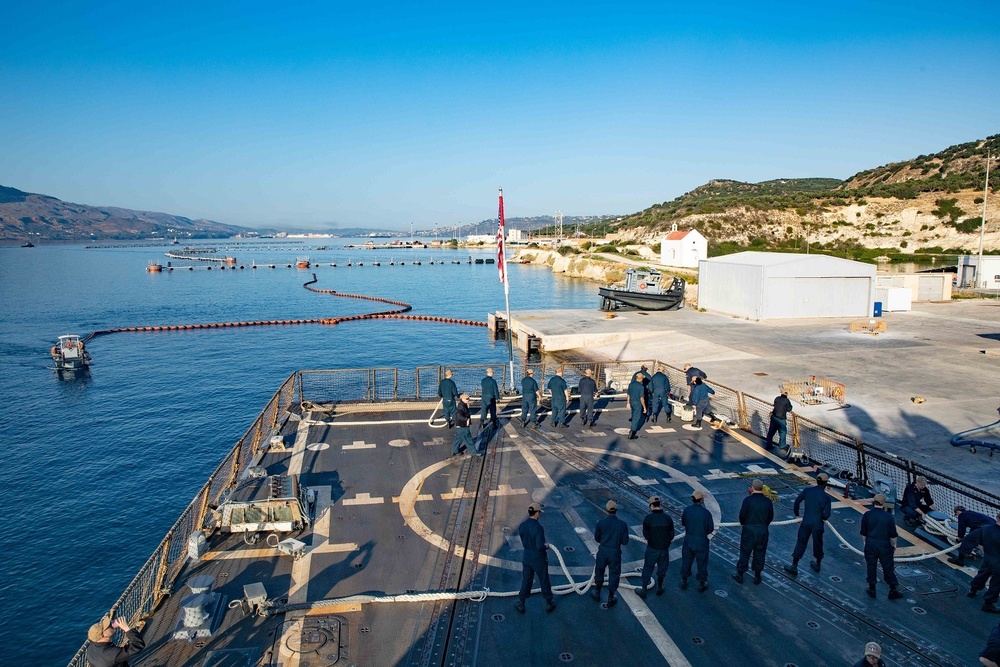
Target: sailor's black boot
[
  {"x": 793, "y": 570},
  {"x": 612, "y": 600},
  {"x": 659, "y": 586},
  {"x": 595, "y": 594},
  {"x": 814, "y": 565},
  {"x": 894, "y": 594}
]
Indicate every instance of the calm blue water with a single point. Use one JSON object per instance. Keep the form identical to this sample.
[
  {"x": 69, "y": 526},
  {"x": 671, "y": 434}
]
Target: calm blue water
[{"x": 97, "y": 469}]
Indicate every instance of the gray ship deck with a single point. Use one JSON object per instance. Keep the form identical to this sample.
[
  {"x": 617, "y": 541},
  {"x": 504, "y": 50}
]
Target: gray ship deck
[{"x": 393, "y": 509}]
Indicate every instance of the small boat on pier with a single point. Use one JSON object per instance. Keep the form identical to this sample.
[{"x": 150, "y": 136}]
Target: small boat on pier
[{"x": 643, "y": 290}]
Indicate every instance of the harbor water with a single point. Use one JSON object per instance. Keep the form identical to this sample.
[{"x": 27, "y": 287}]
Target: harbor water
[{"x": 98, "y": 467}]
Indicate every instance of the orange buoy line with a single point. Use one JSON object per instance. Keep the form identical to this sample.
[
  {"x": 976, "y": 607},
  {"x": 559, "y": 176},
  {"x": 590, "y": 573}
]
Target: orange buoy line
[{"x": 394, "y": 314}]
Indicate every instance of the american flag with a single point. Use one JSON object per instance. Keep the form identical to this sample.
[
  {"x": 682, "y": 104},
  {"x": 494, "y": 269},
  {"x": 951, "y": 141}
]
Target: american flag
[{"x": 501, "y": 235}]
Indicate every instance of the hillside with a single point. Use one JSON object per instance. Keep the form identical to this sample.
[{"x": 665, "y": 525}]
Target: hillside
[
  {"x": 931, "y": 203},
  {"x": 25, "y": 215}
]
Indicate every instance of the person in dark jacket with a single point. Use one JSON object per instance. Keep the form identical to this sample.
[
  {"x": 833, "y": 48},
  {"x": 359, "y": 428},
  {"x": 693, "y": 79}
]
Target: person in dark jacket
[
  {"x": 969, "y": 528},
  {"x": 817, "y": 510},
  {"x": 611, "y": 535},
  {"x": 559, "y": 391},
  {"x": 690, "y": 373},
  {"x": 916, "y": 501},
  {"x": 779, "y": 422},
  {"x": 989, "y": 571},
  {"x": 529, "y": 398},
  {"x": 699, "y": 399},
  {"x": 635, "y": 400},
  {"x": 647, "y": 387},
  {"x": 490, "y": 394},
  {"x": 103, "y": 652},
  {"x": 873, "y": 656},
  {"x": 658, "y": 529},
  {"x": 990, "y": 656},
  {"x": 756, "y": 514},
  {"x": 660, "y": 386},
  {"x": 463, "y": 422},
  {"x": 534, "y": 560},
  {"x": 879, "y": 532},
  {"x": 448, "y": 392},
  {"x": 588, "y": 394},
  {"x": 698, "y": 525}
]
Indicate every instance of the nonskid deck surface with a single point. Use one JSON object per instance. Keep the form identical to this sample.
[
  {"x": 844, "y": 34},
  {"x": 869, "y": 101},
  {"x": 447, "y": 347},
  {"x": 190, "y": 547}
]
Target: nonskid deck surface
[{"x": 396, "y": 514}]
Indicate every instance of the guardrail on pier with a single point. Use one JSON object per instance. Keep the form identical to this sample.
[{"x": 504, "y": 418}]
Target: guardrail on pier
[{"x": 845, "y": 455}]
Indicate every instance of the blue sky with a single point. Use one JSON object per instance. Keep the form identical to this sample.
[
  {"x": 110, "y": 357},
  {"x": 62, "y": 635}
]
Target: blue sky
[{"x": 263, "y": 113}]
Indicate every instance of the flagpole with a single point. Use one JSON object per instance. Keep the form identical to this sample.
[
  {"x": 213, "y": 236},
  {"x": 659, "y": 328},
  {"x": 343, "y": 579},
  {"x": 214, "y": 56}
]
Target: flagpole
[{"x": 505, "y": 278}]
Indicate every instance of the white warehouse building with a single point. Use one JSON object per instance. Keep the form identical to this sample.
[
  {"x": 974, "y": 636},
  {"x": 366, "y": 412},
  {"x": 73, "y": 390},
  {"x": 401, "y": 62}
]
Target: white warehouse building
[{"x": 773, "y": 285}]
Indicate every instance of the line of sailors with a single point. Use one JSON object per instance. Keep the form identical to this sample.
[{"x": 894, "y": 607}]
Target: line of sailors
[
  {"x": 813, "y": 504},
  {"x": 646, "y": 396}
]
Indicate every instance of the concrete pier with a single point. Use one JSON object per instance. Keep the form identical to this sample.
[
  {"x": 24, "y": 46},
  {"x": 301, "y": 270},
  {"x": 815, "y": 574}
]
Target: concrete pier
[{"x": 945, "y": 353}]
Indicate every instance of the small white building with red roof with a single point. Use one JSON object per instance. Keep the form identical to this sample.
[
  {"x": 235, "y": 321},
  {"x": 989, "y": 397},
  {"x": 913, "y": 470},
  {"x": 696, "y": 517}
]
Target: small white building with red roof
[{"x": 683, "y": 248}]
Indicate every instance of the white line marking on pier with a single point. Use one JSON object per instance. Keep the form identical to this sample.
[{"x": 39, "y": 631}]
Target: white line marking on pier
[
  {"x": 360, "y": 444},
  {"x": 364, "y": 499}
]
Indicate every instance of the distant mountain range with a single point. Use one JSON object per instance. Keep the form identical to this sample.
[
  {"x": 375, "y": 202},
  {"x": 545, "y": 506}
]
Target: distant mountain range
[{"x": 29, "y": 216}]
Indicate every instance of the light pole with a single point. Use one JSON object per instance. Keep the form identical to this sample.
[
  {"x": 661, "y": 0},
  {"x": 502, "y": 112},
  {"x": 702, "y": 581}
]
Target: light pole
[{"x": 982, "y": 224}]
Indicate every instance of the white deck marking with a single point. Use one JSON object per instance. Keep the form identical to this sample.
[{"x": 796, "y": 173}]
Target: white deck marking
[
  {"x": 716, "y": 473},
  {"x": 343, "y": 547},
  {"x": 360, "y": 444},
  {"x": 456, "y": 493},
  {"x": 664, "y": 644},
  {"x": 635, "y": 479},
  {"x": 420, "y": 497},
  {"x": 507, "y": 490},
  {"x": 435, "y": 441},
  {"x": 760, "y": 470},
  {"x": 623, "y": 431},
  {"x": 660, "y": 429},
  {"x": 363, "y": 499},
  {"x": 672, "y": 480},
  {"x": 400, "y": 442},
  {"x": 587, "y": 433}
]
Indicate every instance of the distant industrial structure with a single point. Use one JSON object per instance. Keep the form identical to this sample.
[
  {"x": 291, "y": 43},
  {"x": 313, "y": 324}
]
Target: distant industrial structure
[{"x": 772, "y": 285}]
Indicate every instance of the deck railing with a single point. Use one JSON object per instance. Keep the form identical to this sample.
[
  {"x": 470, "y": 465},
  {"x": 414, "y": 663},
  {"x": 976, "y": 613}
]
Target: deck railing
[{"x": 842, "y": 455}]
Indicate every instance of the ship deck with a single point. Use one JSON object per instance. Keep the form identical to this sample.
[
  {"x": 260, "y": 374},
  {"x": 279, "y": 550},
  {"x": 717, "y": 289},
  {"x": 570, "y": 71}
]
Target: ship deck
[{"x": 395, "y": 514}]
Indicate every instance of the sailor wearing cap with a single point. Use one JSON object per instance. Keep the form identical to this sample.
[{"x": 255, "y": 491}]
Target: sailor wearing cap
[
  {"x": 102, "y": 652},
  {"x": 588, "y": 393},
  {"x": 698, "y": 525},
  {"x": 490, "y": 395},
  {"x": 635, "y": 400},
  {"x": 873, "y": 656},
  {"x": 559, "y": 391},
  {"x": 535, "y": 561},
  {"x": 916, "y": 501},
  {"x": 879, "y": 532},
  {"x": 817, "y": 511},
  {"x": 756, "y": 514},
  {"x": 611, "y": 535},
  {"x": 658, "y": 529}
]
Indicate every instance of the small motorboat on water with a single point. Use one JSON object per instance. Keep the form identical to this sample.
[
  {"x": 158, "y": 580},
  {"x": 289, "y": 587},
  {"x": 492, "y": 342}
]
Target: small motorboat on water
[
  {"x": 69, "y": 354},
  {"x": 154, "y": 267},
  {"x": 27, "y": 244},
  {"x": 644, "y": 290},
  {"x": 302, "y": 263}
]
